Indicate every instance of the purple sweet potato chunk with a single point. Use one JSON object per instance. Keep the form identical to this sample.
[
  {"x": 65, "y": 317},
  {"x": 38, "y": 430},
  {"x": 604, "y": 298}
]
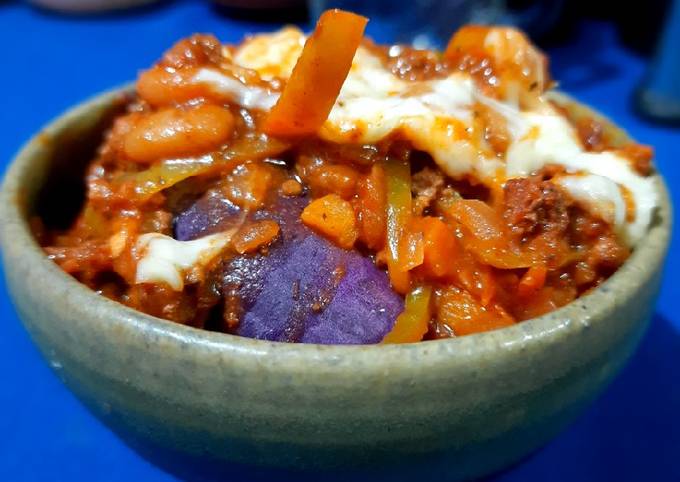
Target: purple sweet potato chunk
[
  {"x": 319, "y": 294},
  {"x": 363, "y": 309},
  {"x": 208, "y": 214},
  {"x": 309, "y": 290}
]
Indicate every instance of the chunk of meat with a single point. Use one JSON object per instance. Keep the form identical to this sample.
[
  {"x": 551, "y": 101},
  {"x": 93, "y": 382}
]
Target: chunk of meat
[
  {"x": 533, "y": 206},
  {"x": 425, "y": 185}
]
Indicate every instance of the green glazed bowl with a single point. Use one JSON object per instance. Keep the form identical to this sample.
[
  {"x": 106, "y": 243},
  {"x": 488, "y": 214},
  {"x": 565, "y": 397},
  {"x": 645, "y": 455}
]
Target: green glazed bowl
[{"x": 206, "y": 404}]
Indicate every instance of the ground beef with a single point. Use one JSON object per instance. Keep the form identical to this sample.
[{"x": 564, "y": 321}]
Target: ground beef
[
  {"x": 425, "y": 186},
  {"x": 409, "y": 63},
  {"x": 533, "y": 206}
]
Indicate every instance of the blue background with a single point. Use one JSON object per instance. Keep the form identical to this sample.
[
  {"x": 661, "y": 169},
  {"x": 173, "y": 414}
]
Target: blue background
[{"x": 50, "y": 62}]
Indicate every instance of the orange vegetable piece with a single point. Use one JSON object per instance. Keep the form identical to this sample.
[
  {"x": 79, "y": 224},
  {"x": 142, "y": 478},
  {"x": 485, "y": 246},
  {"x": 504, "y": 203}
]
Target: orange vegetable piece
[
  {"x": 440, "y": 247},
  {"x": 411, "y": 250},
  {"x": 480, "y": 220},
  {"x": 398, "y": 215},
  {"x": 546, "y": 299},
  {"x": 412, "y": 324},
  {"x": 254, "y": 235},
  {"x": 333, "y": 217},
  {"x": 532, "y": 281},
  {"x": 372, "y": 199},
  {"x": 464, "y": 315},
  {"x": 319, "y": 73},
  {"x": 486, "y": 235},
  {"x": 291, "y": 188},
  {"x": 247, "y": 186},
  {"x": 334, "y": 178}
]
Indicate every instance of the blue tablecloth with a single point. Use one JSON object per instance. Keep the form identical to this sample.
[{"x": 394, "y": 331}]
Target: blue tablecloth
[{"x": 49, "y": 62}]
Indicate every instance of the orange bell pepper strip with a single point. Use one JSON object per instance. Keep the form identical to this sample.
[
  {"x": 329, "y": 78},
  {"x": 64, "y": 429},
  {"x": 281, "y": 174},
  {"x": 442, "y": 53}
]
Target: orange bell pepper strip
[
  {"x": 411, "y": 325},
  {"x": 317, "y": 78}
]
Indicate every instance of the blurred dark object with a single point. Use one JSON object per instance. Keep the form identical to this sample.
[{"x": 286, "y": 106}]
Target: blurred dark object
[
  {"x": 89, "y": 6},
  {"x": 261, "y": 4},
  {"x": 659, "y": 96},
  {"x": 536, "y": 17},
  {"x": 638, "y": 24}
]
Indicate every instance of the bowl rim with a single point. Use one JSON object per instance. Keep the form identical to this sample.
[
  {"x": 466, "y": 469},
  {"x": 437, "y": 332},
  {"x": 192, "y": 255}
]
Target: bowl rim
[{"x": 573, "y": 317}]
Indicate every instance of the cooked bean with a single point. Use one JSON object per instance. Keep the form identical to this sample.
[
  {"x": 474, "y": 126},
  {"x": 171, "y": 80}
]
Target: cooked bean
[
  {"x": 170, "y": 133},
  {"x": 162, "y": 87}
]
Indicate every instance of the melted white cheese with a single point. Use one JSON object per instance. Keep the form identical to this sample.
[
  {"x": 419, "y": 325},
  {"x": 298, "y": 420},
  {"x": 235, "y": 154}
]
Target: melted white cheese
[
  {"x": 550, "y": 139},
  {"x": 600, "y": 194},
  {"x": 248, "y": 96},
  {"x": 272, "y": 54},
  {"x": 436, "y": 116},
  {"x": 166, "y": 260}
]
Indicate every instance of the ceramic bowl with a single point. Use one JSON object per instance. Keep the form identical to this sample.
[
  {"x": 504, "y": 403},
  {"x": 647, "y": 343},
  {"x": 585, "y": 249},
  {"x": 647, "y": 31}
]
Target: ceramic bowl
[{"x": 207, "y": 404}]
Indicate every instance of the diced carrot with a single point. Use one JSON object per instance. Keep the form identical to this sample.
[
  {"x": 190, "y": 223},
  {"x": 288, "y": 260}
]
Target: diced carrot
[
  {"x": 371, "y": 194},
  {"x": 254, "y": 235},
  {"x": 532, "y": 281},
  {"x": 319, "y": 73},
  {"x": 411, "y": 325},
  {"x": 440, "y": 247},
  {"x": 334, "y": 218}
]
